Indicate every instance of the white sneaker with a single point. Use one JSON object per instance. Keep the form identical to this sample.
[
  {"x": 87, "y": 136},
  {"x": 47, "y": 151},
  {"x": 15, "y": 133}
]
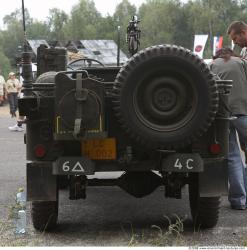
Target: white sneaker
[
  {"x": 19, "y": 129},
  {"x": 16, "y": 128}
]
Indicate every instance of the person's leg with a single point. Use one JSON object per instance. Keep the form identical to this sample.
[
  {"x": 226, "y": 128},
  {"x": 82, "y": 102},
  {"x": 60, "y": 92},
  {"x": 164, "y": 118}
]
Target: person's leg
[
  {"x": 244, "y": 149},
  {"x": 241, "y": 126},
  {"x": 15, "y": 102},
  {"x": 11, "y": 104},
  {"x": 237, "y": 192},
  {"x": 20, "y": 120}
]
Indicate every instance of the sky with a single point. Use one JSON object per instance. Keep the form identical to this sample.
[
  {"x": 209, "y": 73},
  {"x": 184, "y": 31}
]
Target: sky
[{"x": 39, "y": 9}]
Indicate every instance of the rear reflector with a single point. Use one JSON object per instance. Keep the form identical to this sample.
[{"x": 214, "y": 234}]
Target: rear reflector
[
  {"x": 215, "y": 148},
  {"x": 39, "y": 151}
]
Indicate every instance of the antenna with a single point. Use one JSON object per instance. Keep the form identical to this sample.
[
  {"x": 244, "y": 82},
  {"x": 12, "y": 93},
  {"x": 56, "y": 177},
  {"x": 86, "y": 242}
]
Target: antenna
[
  {"x": 24, "y": 26},
  {"x": 26, "y": 58}
]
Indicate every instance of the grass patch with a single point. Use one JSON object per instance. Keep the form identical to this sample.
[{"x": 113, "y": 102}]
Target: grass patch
[
  {"x": 245, "y": 242},
  {"x": 172, "y": 236},
  {"x": 169, "y": 235}
]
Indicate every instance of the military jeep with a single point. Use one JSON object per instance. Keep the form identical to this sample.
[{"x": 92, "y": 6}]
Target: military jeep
[{"x": 161, "y": 119}]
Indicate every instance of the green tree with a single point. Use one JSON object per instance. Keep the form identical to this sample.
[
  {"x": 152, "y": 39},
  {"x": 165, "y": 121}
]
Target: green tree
[
  {"x": 57, "y": 20},
  {"x": 159, "y": 20},
  {"x": 39, "y": 30},
  {"x": 83, "y": 22},
  {"x": 4, "y": 64},
  {"x": 13, "y": 35},
  {"x": 183, "y": 34},
  {"x": 107, "y": 28}
]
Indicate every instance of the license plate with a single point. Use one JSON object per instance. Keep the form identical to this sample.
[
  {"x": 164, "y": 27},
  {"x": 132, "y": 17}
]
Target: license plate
[
  {"x": 99, "y": 149},
  {"x": 183, "y": 163}
]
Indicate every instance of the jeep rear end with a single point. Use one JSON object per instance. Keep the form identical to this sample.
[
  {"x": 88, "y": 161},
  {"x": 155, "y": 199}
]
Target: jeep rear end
[{"x": 161, "y": 120}]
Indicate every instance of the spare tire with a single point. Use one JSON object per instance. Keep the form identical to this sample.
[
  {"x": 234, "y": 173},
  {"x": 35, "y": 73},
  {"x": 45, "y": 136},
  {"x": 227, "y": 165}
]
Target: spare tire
[
  {"x": 166, "y": 97},
  {"x": 47, "y": 77}
]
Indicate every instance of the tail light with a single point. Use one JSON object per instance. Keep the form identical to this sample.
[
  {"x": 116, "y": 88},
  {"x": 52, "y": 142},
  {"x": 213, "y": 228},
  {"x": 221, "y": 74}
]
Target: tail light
[
  {"x": 215, "y": 148},
  {"x": 40, "y": 151}
]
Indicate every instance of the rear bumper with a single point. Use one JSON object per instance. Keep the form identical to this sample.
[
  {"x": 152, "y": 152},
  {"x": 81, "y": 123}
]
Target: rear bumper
[{"x": 42, "y": 177}]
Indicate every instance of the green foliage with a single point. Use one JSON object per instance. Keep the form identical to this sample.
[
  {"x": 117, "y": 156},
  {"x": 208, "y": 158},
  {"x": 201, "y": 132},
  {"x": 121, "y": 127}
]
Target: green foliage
[
  {"x": 162, "y": 21},
  {"x": 83, "y": 22},
  {"x": 4, "y": 64},
  {"x": 159, "y": 18},
  {"x": 12, "y": 37},
  {"x": 57, "y": 21},
  {"x": 108, "y": 32},
  {"x": 39, "y": 30}
]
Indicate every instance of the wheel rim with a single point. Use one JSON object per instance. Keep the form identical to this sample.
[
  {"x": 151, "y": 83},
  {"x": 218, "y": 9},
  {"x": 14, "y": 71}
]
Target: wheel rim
[{"x": 165, "y": 103}]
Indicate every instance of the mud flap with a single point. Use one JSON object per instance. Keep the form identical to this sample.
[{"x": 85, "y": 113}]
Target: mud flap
[
  {"x": 213, "y": 180},
  {"x": 41, "y": 184}
]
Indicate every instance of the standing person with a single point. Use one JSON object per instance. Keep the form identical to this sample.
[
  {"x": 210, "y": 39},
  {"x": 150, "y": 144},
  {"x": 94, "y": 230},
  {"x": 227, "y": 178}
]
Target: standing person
[
  {"x": 2, "y": 87},
  {"x": 13, "y": 87},
  {"x": 229, "y": 67},
  {"x": 237, "y": 31}
]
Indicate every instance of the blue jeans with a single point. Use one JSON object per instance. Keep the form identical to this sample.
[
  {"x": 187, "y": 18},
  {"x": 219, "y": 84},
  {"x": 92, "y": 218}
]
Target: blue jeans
[
  {"x": 236, "y": 169},
  {"x": 12, "y": 97}
]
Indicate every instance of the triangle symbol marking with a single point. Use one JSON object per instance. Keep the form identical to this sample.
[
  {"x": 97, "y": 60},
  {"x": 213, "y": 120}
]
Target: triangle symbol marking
[{"x": 78, "y": 168}]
